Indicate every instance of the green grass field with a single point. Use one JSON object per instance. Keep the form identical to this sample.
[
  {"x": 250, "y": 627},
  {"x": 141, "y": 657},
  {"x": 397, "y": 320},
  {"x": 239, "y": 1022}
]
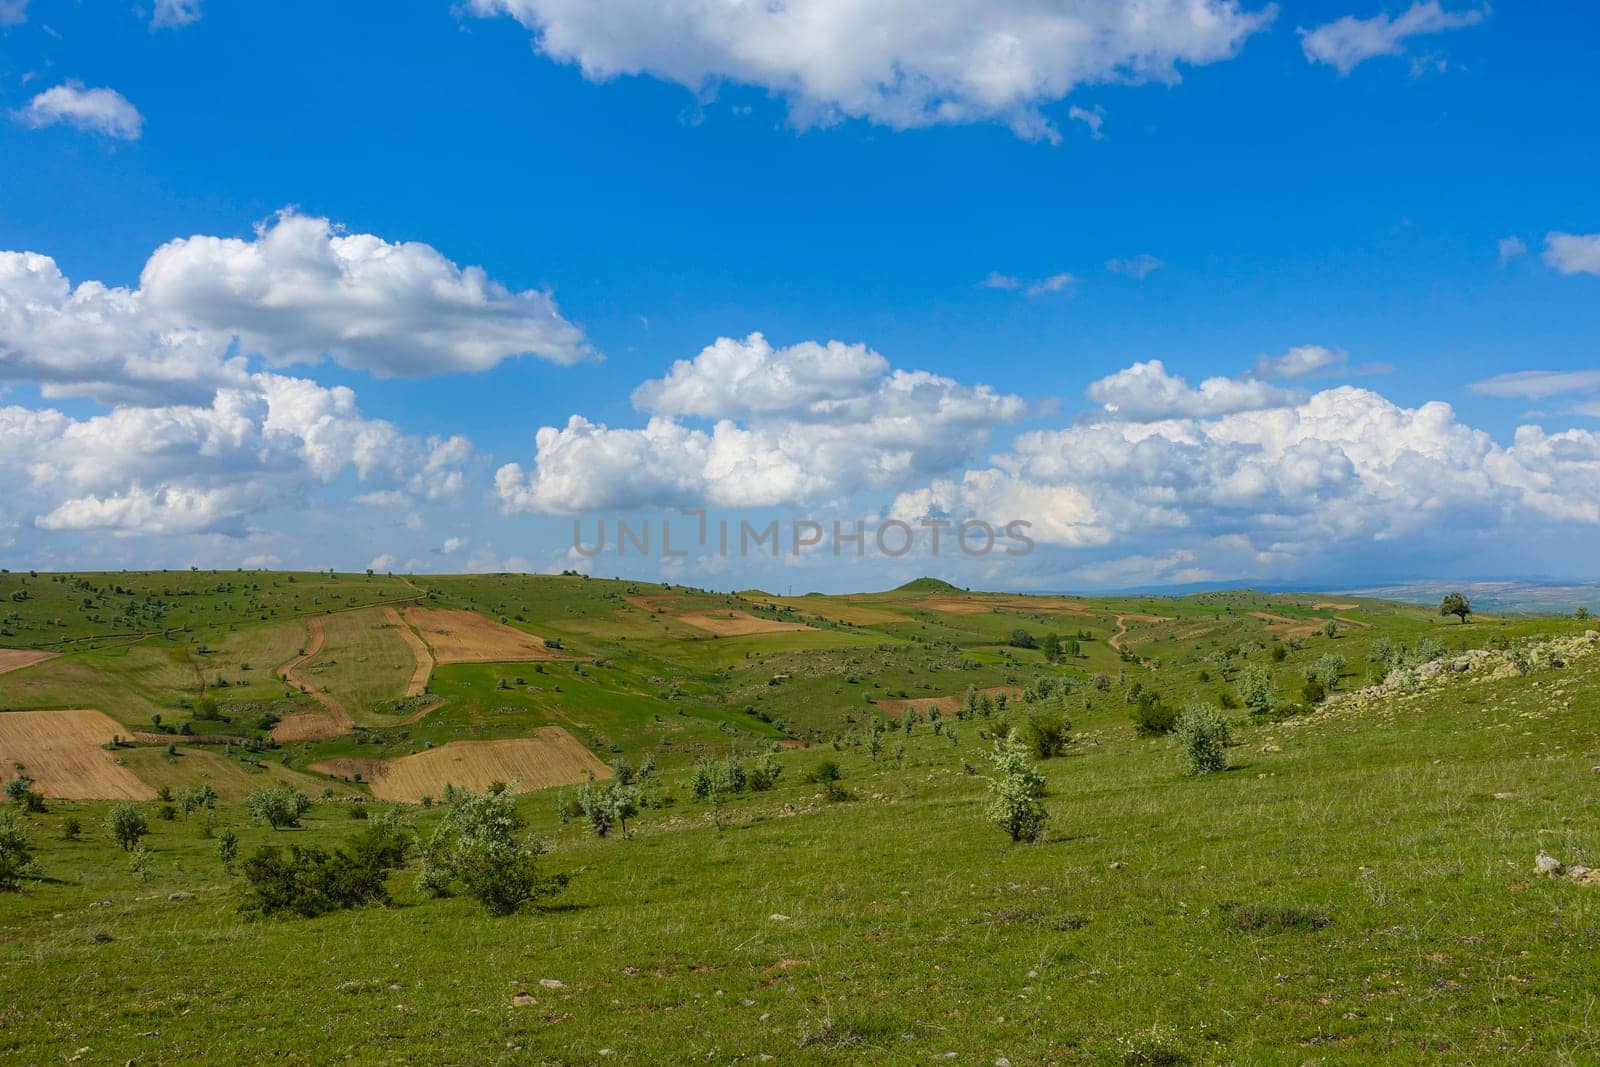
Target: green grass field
[{"x": 1357, "y": 886}]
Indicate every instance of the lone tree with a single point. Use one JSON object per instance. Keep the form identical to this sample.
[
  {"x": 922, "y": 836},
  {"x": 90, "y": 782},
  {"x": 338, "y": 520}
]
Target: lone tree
[
  {"x": 126, "y": 825},
  {"x": 1456, "y": 604},
  {"x": 1015, "y": 791}
]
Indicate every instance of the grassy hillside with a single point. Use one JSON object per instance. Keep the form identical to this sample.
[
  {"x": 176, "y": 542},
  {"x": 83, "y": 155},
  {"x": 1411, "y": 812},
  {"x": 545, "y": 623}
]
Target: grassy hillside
[{"x": 1357, "y": 885}]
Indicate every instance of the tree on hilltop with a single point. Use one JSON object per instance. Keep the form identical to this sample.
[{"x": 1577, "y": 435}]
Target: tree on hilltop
[{"x": 1456, "y": 604}]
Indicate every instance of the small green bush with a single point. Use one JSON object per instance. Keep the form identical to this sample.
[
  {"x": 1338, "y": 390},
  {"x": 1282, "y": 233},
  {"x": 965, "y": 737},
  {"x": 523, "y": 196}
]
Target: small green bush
[
  {"x": 309, "y": 881},
  {"x": 16, "y": 854},
  {"x": 1151, "y": 717},
  {"x": 1203, "y": 736},
  {"x": 1047, "y": 733},
  {"x": 126, "y": 824},
  {"x": 278, "y": 807},
  {"x": 826, "y": 771}
]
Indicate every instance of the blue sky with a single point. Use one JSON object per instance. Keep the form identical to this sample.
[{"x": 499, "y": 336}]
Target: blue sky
[{"x": 1340, "y": 188}]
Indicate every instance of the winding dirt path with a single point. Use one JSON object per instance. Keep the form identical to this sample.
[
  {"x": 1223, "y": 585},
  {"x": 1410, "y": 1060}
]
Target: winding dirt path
[
  {"x": 1115, "y": 640},
  {"x": 333, "y": 720},
  {"x": 419, "y": 649}
]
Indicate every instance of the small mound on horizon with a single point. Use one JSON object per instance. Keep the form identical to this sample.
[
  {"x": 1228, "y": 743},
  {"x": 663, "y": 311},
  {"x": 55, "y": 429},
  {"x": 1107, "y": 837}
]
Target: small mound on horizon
[{"x": 927, "y": 585}]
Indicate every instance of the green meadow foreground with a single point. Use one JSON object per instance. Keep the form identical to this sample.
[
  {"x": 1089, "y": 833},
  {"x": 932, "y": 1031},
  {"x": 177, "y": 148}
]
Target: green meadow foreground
[{"x": 802, "y": 860}]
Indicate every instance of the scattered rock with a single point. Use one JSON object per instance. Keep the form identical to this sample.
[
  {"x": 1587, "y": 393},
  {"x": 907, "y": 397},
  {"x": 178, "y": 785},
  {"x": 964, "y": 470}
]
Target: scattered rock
[
  {"x": 552, "y": 983},
  {"x": 180, "y": 895},
  {"x": 1504, "y": 796},
  {"x": 778, "y": 917},
  {"x": 1547, "y": 864},
  {"x": 523, "y": 999}
]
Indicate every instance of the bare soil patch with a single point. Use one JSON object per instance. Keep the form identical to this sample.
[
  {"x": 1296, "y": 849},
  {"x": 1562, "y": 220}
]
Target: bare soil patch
[
  {"x": 947, "y": 704},
  {"x": 419, "y": 677},
  {"x": 737, "y": 623},
  {"x": 953, "y": 605},
  {"x": 551, "y": 757},
  {"x": 14, "y": 659},
  {"x": 467, "y": 637},
  {"x": 64, "y": 753},
  {"x": 1335, "y": 606},
  {"x": 1287, "y": 627}
]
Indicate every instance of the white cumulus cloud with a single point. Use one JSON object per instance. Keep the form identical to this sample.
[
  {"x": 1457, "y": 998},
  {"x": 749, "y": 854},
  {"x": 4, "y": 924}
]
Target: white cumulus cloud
[
  {"x": 1146, "y": 392},
  {"x": 303, "y": 289},
  {"x": 1510, "y": 248},
  {"x": 788, "y": 425},
  {"x": 172, "y": 14},
  {"x": 300, "y": 291},
  {"x": 1139, "y": 266},
  {"x": 1344, "y": 467},
  {"x": 209, "y": 468},
  {"x": 898, "y": 63},
  {"x": 1348, "y": 42},
  {"x": 1301, "y": 361},
  {"x": 103, "y": 111},
  {"x": 1573, "y": 253}
]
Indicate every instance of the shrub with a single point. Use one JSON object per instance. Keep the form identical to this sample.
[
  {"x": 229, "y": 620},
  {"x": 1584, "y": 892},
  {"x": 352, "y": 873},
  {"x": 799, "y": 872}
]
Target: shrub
[
  {"x": 126, "y": 824},
  {"x": 1151, "y": 717},
  {"x": 1047, "y": 733},
  {"x": 1271, "y": 918},
  {"x": 764, "y": 775},
  {"x": 607, "y": 806},
  {"x": 227, "y": 847},
  {"x": 702, "y": 780},
  {"x": 1015, "y": 789},
  {"x": 731, "y": 777},
  {"x": 1328, "y": 670},
  {"x": 16, "y": 854},
  {"x": 1203, "y": 734},
  {"x": 826, "y": 771},
  {"x": 139, "y": 862},
  {"x": 18, "y": 788},
  {"x": 478, "y": 847},
  {"x": 71, "y": 827},
  {"x": 309, "y": 881},
  {"x": 1313, "y": 692},
  {"x": 196, "y": 797},
  {"x": 278, "y": 807},
  {"x": 1255, "y": 690}
]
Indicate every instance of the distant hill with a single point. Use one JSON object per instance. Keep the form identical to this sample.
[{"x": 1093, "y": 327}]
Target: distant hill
[
  {"x": 928, "y": 585},
  {"x": 1497, "y": 597}
]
